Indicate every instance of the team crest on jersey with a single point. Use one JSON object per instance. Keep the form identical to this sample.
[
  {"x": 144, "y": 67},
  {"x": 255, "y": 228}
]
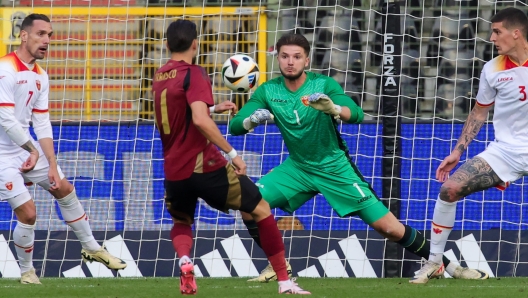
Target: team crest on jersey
[
  {"x": 9, "y": 185},
  {"x": 304, "y": 100},
  {"x": 38, "y": 84}
]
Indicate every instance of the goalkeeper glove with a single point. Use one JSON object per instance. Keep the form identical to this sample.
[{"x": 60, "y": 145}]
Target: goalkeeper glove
[
  {"x": 258, "y": 117},
  {"x": 323, "y": 103}
]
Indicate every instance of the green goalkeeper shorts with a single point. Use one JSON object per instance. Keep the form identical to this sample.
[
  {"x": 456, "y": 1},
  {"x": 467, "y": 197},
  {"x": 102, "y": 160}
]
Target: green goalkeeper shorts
[{"x": 290, "y": 185}]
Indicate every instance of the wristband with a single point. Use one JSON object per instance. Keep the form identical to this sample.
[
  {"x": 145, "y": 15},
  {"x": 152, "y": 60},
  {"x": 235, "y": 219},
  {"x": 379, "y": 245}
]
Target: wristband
[
  {"x": 248, "y": 125},
  {"x": 338, "y": 109},
  {"x": 232, "y": 154},
  {"x": 212, "y": 109}
]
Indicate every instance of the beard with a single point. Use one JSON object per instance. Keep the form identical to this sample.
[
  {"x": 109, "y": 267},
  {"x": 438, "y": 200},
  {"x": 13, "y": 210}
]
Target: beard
[
  {"x": 38, "y": 56},
  {"x": 292, "y": 77}
]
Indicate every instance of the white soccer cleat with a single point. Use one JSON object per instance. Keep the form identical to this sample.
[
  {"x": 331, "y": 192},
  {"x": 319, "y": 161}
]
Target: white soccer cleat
[
  {"x": 468, "y": 273},
  {"x": 104, "y": 257},
  {"x": 429, "y": 270},
  {"x": 30, "y": 277},
  {"x": 268, "y": 274},
  {"x": 291, "y": 287}
]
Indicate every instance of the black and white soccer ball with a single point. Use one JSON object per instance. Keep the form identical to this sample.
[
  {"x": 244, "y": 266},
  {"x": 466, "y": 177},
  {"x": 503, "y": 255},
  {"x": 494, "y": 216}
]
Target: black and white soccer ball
[{"x": 240, "y": 73}]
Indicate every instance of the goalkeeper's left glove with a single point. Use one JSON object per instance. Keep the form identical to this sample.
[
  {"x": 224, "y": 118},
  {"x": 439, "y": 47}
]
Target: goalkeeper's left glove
[{"x": 323, "y": 103}]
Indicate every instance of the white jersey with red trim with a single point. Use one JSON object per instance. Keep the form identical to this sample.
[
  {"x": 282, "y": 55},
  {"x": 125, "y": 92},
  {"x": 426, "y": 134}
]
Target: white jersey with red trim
[
  {"x": 505, "y": 84},
  {"x": 23, "y": 98}
]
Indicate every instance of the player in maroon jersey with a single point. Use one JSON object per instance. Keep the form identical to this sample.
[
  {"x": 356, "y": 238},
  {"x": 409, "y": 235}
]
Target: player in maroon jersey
[{"x": 194, "y": 167}]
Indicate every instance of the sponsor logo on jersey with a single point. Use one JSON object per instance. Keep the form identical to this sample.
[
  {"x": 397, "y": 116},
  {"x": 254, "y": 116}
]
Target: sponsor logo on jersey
[
  {"x": 9, "y": 185},
  {"x": 304, "y": 100},
  {"x": 278, "y": 100},
  {"x": 22, "y": 82},
  {"x": 38, "y": 84},
  {"x": 504, "y": 79}
]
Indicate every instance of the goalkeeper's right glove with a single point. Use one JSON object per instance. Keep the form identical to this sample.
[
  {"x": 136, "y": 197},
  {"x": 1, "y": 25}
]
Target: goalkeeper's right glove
[{"x": 258, "y": 117}]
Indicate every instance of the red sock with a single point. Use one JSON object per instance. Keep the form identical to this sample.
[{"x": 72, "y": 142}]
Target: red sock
[
  {"x": 182, "y": 239},
  {"x": 271, "y": 240}
]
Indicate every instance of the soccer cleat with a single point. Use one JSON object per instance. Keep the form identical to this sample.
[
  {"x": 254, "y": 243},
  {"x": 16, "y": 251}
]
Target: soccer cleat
[
  {"x": 187, "y": 281},
  {"x": 291, "y": 287},
  {"x": 104, "y": 257},
  {"x": 429, "y": 270},
  {"x": 29, "y": 277},
  {"x": 467, "y": 273},
  {"x": 268, "y": 274}
]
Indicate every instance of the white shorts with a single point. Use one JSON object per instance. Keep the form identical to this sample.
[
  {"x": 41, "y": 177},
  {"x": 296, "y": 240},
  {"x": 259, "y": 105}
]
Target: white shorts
[
  {"x": 509, "y": 163},
  {"x": 13, "y": 182}
]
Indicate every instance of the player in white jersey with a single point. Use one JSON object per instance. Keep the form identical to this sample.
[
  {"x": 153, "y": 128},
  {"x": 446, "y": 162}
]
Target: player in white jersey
[
  {"x": 24, "y": 89},
  {"x": 503, "y": 84}
]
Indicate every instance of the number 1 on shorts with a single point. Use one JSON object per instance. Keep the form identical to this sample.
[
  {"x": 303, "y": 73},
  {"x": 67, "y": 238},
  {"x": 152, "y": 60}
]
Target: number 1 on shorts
[{"x": 359, "y": 189}]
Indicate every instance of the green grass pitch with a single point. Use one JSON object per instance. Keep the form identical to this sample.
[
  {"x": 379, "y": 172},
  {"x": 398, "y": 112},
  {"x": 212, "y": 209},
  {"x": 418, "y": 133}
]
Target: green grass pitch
[{"x": 238, "y": 287}]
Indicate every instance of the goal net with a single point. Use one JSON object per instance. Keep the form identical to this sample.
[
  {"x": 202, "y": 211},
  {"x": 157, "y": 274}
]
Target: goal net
[{"x": 101, "y": 62}]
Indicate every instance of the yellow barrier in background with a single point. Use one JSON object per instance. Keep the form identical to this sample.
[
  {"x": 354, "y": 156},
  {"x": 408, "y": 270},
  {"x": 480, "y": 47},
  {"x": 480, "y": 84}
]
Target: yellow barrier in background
[{"x": 101, "y": 60}]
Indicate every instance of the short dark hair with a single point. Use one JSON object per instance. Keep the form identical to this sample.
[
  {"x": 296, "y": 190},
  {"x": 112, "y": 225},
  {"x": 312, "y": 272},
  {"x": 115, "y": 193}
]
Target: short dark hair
[
  {"x": 293, "y": 39},
  {"x": 180, "y": 35},
  {"x": 28, "y": 20},
  {"x": 512, "y": 18}
]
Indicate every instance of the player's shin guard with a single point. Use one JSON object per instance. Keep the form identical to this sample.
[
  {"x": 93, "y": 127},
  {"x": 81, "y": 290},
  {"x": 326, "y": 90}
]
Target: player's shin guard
[
  {"x": 416, "y": 243},
  {"x": 24, "y": 237},
  {"x": 253, "y": 230},
  {"x": 271, "y": 240},
  {"x": 443, "y": 222},
  {"x": 182, "y": 239},
  {"x": 73, "y": 213}
]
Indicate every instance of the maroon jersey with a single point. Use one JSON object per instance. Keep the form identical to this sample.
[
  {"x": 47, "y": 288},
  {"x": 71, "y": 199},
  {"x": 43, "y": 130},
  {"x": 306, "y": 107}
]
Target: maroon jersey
[{"x": 176, "y": 85}]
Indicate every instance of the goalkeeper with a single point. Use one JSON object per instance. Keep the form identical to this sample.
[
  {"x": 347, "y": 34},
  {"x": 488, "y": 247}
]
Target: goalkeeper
[{"x": 305, "y": 107}]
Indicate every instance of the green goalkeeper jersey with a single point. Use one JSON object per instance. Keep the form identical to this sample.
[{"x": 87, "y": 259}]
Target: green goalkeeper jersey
[{"x": 312, "y": 137}]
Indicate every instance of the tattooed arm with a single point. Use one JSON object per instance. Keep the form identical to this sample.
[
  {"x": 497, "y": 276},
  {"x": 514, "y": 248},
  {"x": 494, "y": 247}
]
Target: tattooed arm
[
  {"x": 29, "y": 147},
  {"x": 475, "y": 120}
]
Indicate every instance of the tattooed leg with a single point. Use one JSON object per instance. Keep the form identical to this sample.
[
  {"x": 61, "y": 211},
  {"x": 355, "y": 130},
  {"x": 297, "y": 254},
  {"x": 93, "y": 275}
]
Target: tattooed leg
[{"x": 473, "y": 176}]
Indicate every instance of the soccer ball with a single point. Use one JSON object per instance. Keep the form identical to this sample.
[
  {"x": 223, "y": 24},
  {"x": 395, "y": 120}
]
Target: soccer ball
[{"x": 240, "y": 73}]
